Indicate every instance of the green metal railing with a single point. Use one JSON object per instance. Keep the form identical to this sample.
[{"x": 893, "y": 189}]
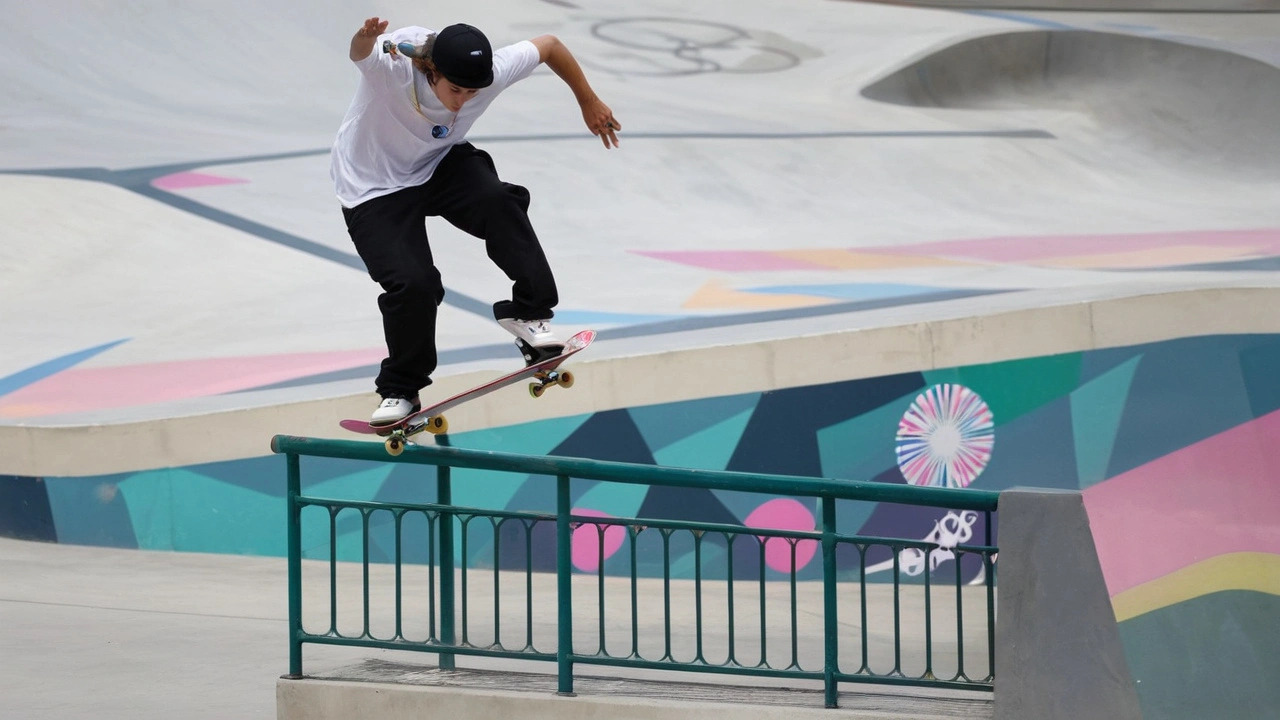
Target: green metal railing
[{"x": 449, "y": 591}]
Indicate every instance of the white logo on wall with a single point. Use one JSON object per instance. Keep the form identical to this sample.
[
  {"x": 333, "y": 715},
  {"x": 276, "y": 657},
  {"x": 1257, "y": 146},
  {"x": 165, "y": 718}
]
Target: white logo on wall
[{"x": 945, "y": 438}]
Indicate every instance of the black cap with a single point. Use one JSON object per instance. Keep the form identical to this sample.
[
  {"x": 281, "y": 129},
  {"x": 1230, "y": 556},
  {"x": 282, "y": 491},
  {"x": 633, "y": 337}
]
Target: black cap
[{"x": 463, "y": 56}]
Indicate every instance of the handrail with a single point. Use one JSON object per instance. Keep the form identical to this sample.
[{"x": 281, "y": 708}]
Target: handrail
[{"x": 959, "y": 499}]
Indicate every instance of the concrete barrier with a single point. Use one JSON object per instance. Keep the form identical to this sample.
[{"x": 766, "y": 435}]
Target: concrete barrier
[{"x": 953, "y": 334}]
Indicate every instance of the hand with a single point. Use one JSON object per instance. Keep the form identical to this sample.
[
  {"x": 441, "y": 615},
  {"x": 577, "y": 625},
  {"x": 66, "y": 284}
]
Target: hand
[
  {"x": 373, "y": 27},
  {"x": 601, "y": 122}
]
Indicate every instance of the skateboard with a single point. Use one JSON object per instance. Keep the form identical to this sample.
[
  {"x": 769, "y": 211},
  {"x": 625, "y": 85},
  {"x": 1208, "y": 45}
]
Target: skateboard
[{"x": 545, "y": 373}]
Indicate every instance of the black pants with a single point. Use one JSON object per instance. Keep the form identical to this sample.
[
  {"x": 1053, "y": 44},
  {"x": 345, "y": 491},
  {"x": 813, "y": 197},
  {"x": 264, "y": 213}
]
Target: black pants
[{"x": 390, "y": 235}]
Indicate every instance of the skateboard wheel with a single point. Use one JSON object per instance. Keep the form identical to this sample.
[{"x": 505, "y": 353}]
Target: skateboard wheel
[
  {"x": 438, "y": 425},
  {"x": 565, "y": 379},
  {"x": 394, "y": 446},
  {"x": 536, "y": 389}
]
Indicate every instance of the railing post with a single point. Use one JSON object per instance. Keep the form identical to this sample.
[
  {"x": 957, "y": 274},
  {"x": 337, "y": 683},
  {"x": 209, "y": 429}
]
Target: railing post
[
  {"x": 564, "y": 587},
  {"x": 444, "y": 496},
  {"x": 831, "y": 627},
  {"x": 294, "y": 530}
]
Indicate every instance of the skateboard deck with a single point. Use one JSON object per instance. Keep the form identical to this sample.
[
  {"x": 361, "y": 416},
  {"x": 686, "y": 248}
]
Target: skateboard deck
[{"x": 544, "y": 373}]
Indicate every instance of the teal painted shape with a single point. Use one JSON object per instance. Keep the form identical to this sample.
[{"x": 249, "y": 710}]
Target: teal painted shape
[
  {"x": 90, "y": 511},
  {"x": 183, "y": 511},
  {"x": 614, "y": 499},
  {"x": 712, "y": 449},
  {"x": 1215, "y": 656},
  {"x": 662, "y": 425},
  {"x": 492, "y": 490},
  {"x": 1096, "y": 410},
  {"x": 36, "y": 373},
  {"x": 862, "y": 447},
  {"x": 708, "y": 449},
  {"x": 684, "y": 566},
  {"x": 363, "y": 485}
]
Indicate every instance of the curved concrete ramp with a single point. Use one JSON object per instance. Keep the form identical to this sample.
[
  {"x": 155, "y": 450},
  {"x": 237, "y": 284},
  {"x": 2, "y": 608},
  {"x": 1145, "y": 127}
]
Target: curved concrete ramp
[
  {"x": 1186, "y": 103},
  {"x": 1215, "y": 6}
]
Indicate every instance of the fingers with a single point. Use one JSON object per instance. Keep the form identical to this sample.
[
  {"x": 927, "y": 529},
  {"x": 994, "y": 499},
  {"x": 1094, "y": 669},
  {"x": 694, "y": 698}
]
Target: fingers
[
  {"x": 608, "y": 132},
  {"x": 373, "y": 27}
]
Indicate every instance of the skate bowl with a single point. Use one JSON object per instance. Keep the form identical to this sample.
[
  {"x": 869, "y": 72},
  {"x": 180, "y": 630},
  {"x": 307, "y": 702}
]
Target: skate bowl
[
  {"x": 1215, "y": 6},
  {"x": 1201, "y": 108}
]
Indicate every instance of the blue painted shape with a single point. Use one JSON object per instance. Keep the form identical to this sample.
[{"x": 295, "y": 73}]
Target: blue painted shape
[
  {"x": 1184, "y": 392},
  {"x": 36, "y": 373},
  {"x": 1036, "y": 450},
  {"x": 662, "y": 425},
  {"x": 1260, "y": 365},
  {"x": 1024, "y": 19},
  {"x": 850, "y": 291},
  {"x": 1096, "y": 410},
  {"x": 24, "y": 510},
  {"x": 782, "y": 436},
  {"x": 593, "y": 319}
]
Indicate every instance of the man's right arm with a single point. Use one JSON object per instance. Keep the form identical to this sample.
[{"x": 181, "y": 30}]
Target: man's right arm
[{"x": 362, "y": 42}]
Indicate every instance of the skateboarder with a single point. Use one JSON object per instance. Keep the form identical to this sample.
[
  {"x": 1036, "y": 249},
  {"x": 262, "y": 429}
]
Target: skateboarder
[{"x": 401, "y": 156}]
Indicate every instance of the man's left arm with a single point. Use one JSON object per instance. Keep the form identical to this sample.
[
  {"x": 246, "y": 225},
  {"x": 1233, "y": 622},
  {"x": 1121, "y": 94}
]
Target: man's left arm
[{"x": 595, "y": 113}]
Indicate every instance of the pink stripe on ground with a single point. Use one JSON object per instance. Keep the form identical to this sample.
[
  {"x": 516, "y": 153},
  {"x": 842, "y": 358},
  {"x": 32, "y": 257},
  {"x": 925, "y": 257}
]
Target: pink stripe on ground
[
  {"x": 85, "y": 389},
  {"x": 1219, "y": 496},
  {"x": 187, "y": 180},
  {"x": 732, "y": 260},
  {"x": 1030, "y": 248}
]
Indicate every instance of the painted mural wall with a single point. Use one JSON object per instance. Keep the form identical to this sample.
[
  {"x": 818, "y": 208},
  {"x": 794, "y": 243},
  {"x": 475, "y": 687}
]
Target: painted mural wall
[{"x": 1176, "y": 446}]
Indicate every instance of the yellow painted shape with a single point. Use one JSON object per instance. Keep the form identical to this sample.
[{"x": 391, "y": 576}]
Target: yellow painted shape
[
  {"x": 1160, "y": 257},
  {"x": 853, "y": 260},
  {"x": 1256, "y": 571},
  {"x": 715, "y": 295}
]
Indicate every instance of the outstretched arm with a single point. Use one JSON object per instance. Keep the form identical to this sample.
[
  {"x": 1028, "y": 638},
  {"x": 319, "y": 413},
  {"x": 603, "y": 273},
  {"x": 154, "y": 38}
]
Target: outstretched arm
[
  {"x": 595, "y": 113},
  {"x": 365, "y": 37}
]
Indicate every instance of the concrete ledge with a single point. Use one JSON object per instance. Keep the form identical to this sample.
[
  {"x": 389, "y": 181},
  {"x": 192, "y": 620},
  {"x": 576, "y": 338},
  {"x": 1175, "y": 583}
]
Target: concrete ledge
[
  {"x": 1058, "y": 650},
  {"x": 425, "y": 693},
  {"x": 831, "y": 349}
]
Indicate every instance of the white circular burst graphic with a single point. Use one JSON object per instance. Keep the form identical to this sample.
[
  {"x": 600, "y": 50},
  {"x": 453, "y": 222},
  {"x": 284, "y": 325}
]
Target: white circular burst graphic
[{"x": 945, "y": 437}]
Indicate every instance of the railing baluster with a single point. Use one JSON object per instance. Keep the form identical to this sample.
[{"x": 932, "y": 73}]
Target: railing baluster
[
  {"x": 564, "y": 587},
  {"x": 497, "y": 585},
  {"x": 294, "y": 531},
  {"x": 444, "y": 496},
  {"x": 830, "y": 618}
]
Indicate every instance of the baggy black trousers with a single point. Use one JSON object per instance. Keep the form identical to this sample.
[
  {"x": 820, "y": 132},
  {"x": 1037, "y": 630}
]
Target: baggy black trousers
[{"x": 390, "y": 235}]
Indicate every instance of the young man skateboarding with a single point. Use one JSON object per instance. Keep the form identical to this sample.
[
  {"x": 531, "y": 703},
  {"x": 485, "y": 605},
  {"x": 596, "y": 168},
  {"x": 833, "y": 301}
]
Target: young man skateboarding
[{"x": 401, "y": 156}]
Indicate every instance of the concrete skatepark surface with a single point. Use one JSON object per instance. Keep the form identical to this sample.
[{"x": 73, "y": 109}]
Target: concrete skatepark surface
[{"x": 173, "y": 248}]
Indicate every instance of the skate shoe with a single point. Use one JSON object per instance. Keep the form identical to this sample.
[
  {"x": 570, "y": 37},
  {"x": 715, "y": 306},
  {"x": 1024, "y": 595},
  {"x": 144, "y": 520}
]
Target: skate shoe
[{"x": 393, "y": 410}]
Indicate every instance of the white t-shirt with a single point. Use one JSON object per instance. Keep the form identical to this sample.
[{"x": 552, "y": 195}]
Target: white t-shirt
[{"x": 384, "y": 144}]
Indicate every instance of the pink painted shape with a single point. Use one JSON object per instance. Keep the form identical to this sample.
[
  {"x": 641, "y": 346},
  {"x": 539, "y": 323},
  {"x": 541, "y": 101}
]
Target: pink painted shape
[
  {"x": 1221, "y": 495},
  {"x": 85, "y": 389},
  {"x": 784, "y": 514},
  {"x": 732, "y": 260},
  {"x": 585, "y": 548},
  {"x": 1030, "y": 248},
  {"x": 188, "y": 180}
]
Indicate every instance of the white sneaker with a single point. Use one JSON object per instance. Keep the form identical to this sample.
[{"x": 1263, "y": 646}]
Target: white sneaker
[
  {"x": 535, "y": 332},
  {"x": 393, "y": 410}
]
